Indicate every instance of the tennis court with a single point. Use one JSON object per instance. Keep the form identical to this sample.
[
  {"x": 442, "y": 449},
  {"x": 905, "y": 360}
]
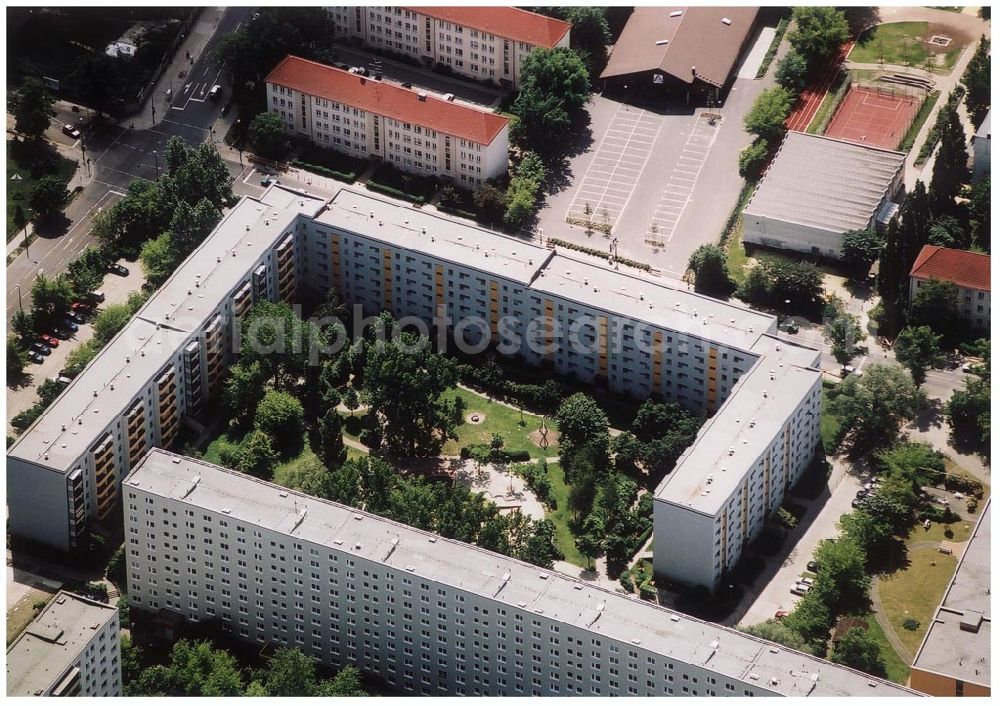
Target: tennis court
[{"x": 874, "y": 116}]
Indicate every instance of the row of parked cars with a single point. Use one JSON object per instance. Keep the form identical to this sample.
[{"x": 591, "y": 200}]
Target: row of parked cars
[
  {"x": 802, "y": 585},
  {"x": 79, "y": 312},
  {"x": 866, "y": 491}
]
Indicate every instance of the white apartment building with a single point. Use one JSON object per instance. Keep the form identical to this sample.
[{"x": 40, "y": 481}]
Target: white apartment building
[
  {"x": 633, "y": 334},
  {"x": 71, "y": 649},
  {"x": 481, "y": 43},
  {"x": 65, "y": 470},
  {"x": 427, "y": 615},
  {"x": 412, "y": 130}
]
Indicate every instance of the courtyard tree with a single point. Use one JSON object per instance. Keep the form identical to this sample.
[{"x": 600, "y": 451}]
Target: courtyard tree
[
  {"x": 918, "y": 349},
  {"x": 842, "y": 580},
  {"x": 557, "y": 72},
  {"x": 582, "y": 422},
  {"x": 872, "y": 407},
  {"x": 257, "y": 455},
  {"x": 859, "y": 650},
  {"x": 935, "y": 305},
  {"x": 280, "y": 416},
  {"x": 843, "y": 333},
  {"x": 158, "y": 258},
  {"x": 331, "y": 450}
]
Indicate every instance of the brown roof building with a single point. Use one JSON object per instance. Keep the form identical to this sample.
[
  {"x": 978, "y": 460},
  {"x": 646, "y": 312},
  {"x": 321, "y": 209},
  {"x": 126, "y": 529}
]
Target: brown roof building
[
  {"x": 969, "y": 271},
  {"x": 666, "y": 52}
]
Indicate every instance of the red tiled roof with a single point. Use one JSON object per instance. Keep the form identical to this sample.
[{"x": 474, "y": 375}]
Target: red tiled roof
[
  {"x": 387, "y": 99},
  {"x": 964, "y": 268},
  {"x": 509, "y": 22}
]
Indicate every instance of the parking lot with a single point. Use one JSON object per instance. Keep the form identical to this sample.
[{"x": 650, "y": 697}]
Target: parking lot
[
  {"x": 680, "y": 187},
  {"x": 618, "y": 161}
]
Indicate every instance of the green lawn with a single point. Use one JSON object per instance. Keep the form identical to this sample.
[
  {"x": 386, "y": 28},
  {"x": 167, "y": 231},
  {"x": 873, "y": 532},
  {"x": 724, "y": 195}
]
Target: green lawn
[
  {"x": 829, "y": 425},
  {"x": 562, "y": 516},
  {"x": 904, "y": 43},
  {"x": 916, "y": 592},
  {"x": 896, "y": 669},
  {"x": 736, "y": 256},
  {"x": 19, "y": 190},
  {"x": 498, "y": 418}
]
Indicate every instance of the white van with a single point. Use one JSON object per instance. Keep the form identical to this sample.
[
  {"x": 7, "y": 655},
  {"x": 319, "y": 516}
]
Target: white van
[{"x": 214, "y": 93}]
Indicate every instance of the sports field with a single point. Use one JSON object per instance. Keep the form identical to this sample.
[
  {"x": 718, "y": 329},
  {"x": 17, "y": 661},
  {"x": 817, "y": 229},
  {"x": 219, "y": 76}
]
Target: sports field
[{"x": 873, "y": 116}]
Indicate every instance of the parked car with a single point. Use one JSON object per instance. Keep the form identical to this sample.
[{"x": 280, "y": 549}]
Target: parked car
[
  {"x": 799, "y": 590},
  {"x": 807, "y": 581},
  {"x": 225, "y": 109},
  {"x": 116, "y": 269},
  {"x": 77, "y": 317},
  {"x": 71, "y": 131},
  {"x": 67, "y": 373},
  {"x": 214, "y": 93},
  {"x": 50, "y": 341},
  {"x": 80, "y": 308},
  {"x": 97, "y": 296},
  {"x": 848, "y": 370},
  {"x": 779, "y": 614},
  {"x": 68, "y": 323},
  {"x": 60, "y": 333},
  {"x": 812, "y": 566},
  {"x": 406, "y": 84},
  {"x": 60, "y": 380},
  {"x": 861, "y": 494},
  {"x": 857, "y": 502},
  {"x": 35, "y": 357},
  {"x": 40, "y": 347}
]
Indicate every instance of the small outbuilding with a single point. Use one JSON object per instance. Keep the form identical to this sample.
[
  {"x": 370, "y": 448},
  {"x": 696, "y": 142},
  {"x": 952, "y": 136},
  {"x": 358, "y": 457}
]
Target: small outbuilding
[{"x": 818, "y": 188}]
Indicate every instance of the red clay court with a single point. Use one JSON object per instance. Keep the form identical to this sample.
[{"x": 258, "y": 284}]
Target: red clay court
[{"x": 874, "y": 117}]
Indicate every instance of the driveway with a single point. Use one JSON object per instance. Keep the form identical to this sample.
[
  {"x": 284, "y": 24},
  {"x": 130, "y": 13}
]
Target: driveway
[{"x": 771, "y": 592}]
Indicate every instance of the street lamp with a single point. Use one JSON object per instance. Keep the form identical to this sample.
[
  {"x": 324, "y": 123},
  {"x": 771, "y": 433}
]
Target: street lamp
[
  {"x": 19, "y": 304},
  {"x": 239, "y": 142},
  {"x": 156, "y": 161},
  {"x": 152, "y": 108}
]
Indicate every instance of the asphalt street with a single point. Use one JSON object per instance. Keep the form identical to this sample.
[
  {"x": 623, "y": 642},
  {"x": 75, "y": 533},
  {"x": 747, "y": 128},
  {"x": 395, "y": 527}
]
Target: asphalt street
[{"x": 119, "y": 154}]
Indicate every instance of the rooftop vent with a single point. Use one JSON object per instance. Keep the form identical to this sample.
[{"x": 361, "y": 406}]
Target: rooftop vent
[
  {"x": 422, "y": 96},
  {"x": 357, "y": 517},
  {"x": 674, "y": 619},
  {"x": 432, "y": 540},
  {"x": 774, "y": 681},
  {"x": 449, "y": 96},
  {"x": 726, "y": 21},
  {"x": 410, "y": 569},
  {"x": 543, "y": 575},
  {"x": 773, "y": 650},
  {"x": 662, "y": 42},
  {"x": 578, "y": 586},
  {"x": 226, "y": 511},
  {"x": 282, "y": 494},
  {"x": 753, "y": 676},
  {"x": 677, "y": 13}
]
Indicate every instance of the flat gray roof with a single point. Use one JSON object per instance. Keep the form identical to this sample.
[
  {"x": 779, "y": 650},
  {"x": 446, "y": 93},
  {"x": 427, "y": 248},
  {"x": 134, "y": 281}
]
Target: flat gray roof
[
  {"x": 445, "y": 238},
  {"x": 824, "y": 183},
  {"x": 983, "y": 132},
  {"x": 652, "y": 301},
  {"x": 52, "y": 642},
  {"x": 733, "y": 654},
  {"x": 947, "y": 648},
  {"x": 147, "y": 343},
  {"x": 731, "y": 441}
]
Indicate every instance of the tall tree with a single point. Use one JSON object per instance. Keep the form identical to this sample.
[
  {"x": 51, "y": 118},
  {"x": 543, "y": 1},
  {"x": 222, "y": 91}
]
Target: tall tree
[
  {"x": 33, "y": 108},
  {"x": 557, "y": 72},
  {"x": 919, "y": 349},
  {"x": 861, "y": 249},
  {"x": 581, "y": 422},
  {"x": 280, "y": 416},
  {"x": 935, "y": 305},
  {"x": 158, "y": 258},
  {"x": 951, "y": 169},
  {"x": 17, "y": 359},
  {"x": 792, "y": 73},
  {"x": 50, "y": 297},
  {"x": 257, "y": 455},
  {"x": 590, "y": 36},
  {"x": 192, "y": 224},
  {"x": 843, "y": 333},
  {"x": 977, "y": 82},
  {"x": 268, "y": 136},
  {"x": 331, "y": 451}
]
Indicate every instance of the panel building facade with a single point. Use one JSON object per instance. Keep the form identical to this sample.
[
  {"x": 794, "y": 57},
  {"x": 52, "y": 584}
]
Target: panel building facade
[
  {"x": 481, "y": 43},
  {"x": 425, "y": 614}
]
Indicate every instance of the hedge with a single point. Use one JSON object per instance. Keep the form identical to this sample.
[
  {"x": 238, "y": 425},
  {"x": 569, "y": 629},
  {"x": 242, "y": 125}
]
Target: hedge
[
  {"x": 457, "y": 212},
  {"x": 601, "y": 254},
  {"x": 505, "y": 456},
  {"x": 773, "y": 49},
  {"x": 395, "y": 193},
  {"x": 348, "y": 177}
]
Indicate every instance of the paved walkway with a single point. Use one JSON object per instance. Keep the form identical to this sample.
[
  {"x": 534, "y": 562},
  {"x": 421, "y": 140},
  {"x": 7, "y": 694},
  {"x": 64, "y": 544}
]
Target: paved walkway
[{"x": 887, "y": 628}]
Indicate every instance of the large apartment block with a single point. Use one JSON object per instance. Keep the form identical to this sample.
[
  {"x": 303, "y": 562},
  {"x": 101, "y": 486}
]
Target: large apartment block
[
  {"x": 71, "y": 649},
  {"x": 604, "y": 326},
  {"x": 65, "y": 471},
  {"x": 481, "y": 43},
  {"x": 409, "y": 129},
  {"x": 425, "y": 614}
]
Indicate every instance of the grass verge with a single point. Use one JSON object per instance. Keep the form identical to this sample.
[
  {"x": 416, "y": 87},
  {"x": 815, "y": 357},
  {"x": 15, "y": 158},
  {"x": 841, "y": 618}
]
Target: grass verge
[
  {"x": 915, "y": 592},
  {"x": 773, "y": 49},
  {"x": 562, "y": 517},
  {"x": 896, "y": 670},
  {"x": 906, "y": 144},
  {"x": 498, "y": 419},
  {"x": 732, "y": 237}
]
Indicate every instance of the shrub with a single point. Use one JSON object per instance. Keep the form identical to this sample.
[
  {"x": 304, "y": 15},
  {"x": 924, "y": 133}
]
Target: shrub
[
  {"x": 911, "y": 623},
  {"x": 600, "y": 253}
]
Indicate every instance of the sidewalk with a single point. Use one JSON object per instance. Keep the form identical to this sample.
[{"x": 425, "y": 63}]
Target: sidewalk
[{"x": 194, "y": 43}]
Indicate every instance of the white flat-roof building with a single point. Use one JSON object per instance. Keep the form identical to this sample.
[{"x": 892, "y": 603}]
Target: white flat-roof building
[
  {"x": 631, "y": 333},
  {"x": 427, "y": 615},
  {"x": 71, "y": 649},
  {"x": 484, "y": 43},
  {"x": 412, "y": 130},
  {"x": 818, "y": 188}
]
